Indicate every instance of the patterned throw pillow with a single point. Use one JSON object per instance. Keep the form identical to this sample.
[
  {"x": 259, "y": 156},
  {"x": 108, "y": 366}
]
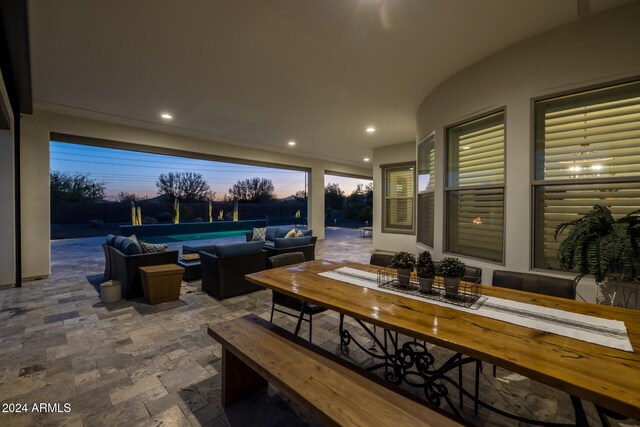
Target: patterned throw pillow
[
  {"x": 259, "y": 234},
  {"x": 150, "y": 248},
  {"x": 299, "y": 233},
  {"x": 290, "y": 234}
]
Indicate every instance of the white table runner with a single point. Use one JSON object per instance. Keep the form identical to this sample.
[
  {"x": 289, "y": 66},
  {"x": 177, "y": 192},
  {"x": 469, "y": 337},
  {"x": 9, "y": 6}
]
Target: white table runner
[{"x": 609, "y": 333}]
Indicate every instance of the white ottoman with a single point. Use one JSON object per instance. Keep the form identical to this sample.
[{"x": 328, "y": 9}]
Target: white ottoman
[{"x": 110, "y": 291}]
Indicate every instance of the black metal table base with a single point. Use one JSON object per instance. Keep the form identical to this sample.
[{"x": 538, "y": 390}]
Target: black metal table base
[{"x": 413, "y": 364}]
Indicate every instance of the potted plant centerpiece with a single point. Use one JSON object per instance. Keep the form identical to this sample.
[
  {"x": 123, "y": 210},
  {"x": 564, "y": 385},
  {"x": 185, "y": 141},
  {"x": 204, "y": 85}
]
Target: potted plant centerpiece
[
  {"x": 425, "y": 271},
  {"x": 606, "y": 247},
  {"x": 403, "y": 262},
  {"x": 451, "y": 270}
]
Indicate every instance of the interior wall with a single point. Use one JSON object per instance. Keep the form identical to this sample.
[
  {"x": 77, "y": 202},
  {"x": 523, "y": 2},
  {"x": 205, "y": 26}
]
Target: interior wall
[
  {"x": 35, "y": 131},
  {"x": 398, "y": 153},
  {"x": 7, "y": 195},
  {"x": 594, "y": 50}
]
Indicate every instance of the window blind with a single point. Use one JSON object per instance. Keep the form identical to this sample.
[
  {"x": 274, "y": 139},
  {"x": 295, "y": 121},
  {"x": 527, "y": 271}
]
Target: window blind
[
  {"x": 399, "y": 191},
  {"x": 426, "y": 188},
  {"x": 587, "y": 152},
  {"x": 474, "y": 189}
]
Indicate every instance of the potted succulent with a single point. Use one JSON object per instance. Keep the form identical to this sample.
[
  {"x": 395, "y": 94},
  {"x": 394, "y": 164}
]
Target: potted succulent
[
  {"x": 404, "y": 263},
  {"x": 425, "y": 271},
  {"x": 451, "y": 269},
  {"x": 606, "y": 247}
]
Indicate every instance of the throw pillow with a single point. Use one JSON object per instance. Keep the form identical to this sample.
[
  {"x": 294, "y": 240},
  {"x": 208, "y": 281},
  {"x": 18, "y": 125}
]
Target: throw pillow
[
  {"x": 299, "y": 233},
  {"x": 110, "y": 239},
  {"x": 259, "y": 234},
  {"x": 150, "y": 248},
  {"x": 290, "y": 234},
  {"x": 130, "y": 246}
]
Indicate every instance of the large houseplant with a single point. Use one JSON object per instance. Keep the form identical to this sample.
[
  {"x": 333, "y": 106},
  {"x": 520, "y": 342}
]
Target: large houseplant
[
  {"x": 404, "y": 263},
  {"x": 601, "y": 245},
  {"x": 425, "y": 271},
  {"x": 451, "y": 269}
]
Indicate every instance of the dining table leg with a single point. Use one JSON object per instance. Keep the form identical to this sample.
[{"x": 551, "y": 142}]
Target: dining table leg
[{"x": 581, "y": 417}]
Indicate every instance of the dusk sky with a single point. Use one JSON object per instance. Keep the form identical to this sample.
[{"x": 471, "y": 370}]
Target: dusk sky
[{"x": 136, "y": 172}]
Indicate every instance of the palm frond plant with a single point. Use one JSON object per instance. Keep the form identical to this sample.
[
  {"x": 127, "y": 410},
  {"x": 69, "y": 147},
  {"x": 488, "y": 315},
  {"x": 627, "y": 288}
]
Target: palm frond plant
[{"x": 602, "y": 245}]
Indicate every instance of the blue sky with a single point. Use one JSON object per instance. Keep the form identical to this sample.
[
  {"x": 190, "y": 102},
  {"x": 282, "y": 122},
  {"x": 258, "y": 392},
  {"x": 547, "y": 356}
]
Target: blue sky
[{"x": 136, "y": 172}]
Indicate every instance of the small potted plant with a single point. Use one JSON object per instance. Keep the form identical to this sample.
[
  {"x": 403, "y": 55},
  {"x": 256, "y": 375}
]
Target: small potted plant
[
  {"x": 451, "y": 269},
  {"x": 404, "y": 263},
  {"x": 425, "y": 271}
]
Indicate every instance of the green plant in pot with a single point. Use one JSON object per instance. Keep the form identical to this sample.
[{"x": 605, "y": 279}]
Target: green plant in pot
[
  {"x": 451, "y": 270},
  {"x": 404, "y": 263},
  {"x": 425, "y": 271},
  {"x": 606, "y": 247}
]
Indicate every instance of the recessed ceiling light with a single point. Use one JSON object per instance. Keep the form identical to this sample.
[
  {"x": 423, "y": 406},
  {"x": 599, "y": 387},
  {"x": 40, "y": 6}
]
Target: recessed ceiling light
[
  {"x": 371, "y": 129},
  {"x": 166, "y": 116},
  {"x": 466, "y": 148},
  {"x": 292, "y": 143},
  {"x": 366, "y": 159}
]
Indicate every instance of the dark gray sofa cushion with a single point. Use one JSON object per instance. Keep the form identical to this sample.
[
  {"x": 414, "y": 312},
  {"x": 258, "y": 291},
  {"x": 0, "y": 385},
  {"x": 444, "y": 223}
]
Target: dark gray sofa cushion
[
  {"x": 236, "y": 249},
  {"x": 271, "y": 233},
  {"x": 292, "y": 242},
  {"x": 307, "y": 232},
  {"x": 110, "y": 239},
  {"x": 117, "y": 242},
  {"x": 195, "y": 249},
  {"x": 130, "y": 246}
]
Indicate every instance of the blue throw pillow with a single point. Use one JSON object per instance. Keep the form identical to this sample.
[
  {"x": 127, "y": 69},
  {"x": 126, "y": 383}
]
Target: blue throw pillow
[
  {"x": 237, "y": 249},
  {"x": 130, "y": 246},
  {"x": 292, "y": 242},
  {"x": 117, "y": 242},
  {"x": 110, "y": 239},
  {"x": 271, "y": 233},
  {"x": 307, "y": 232},
  {"x": 282, "y": 231}
]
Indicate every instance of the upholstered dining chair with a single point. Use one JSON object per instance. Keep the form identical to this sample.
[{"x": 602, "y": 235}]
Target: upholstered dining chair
[
  {"x": 380, "y": 259},
  {"x": 300, "y": 308}
]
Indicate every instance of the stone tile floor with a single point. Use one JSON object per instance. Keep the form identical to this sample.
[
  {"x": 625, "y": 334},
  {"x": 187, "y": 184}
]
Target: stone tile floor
[{"x": 129, "y": 363}]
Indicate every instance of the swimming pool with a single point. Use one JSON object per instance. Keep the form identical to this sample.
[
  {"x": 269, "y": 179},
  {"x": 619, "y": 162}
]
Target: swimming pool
[{"x": 193, "y": 236}]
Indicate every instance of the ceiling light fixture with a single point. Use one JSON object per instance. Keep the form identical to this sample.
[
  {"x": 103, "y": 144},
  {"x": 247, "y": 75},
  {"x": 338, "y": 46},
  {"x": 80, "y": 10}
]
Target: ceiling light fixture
[
  {"x": 292, "y": 143},
  {"x": 166, "y": 116},
  {"x": 366, "y": 159},
  {"x": 371, "y": 129}
]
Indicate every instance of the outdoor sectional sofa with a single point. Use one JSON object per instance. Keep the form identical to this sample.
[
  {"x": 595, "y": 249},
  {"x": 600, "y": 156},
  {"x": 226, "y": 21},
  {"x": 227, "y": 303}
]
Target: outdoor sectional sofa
[
  {"x": 276, "y": 244},
  {"x": 125, "y": 268},
  {"x": 223, "y": 271}
]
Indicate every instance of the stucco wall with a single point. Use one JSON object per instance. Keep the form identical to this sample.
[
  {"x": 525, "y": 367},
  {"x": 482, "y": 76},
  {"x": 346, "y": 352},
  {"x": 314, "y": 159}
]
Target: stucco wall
[
  {"x": 35, "y": 171},
  {"x": 398, "y": 153},
  {"x": 597, "y": 49}
]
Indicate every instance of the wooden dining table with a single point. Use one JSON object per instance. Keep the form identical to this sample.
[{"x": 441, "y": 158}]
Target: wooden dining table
[{"x": 602, "y": 375}]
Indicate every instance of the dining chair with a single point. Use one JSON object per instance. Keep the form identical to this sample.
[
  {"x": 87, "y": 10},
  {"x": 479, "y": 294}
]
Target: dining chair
[
  {"x": 301, "y": 308},
  {"x": 534, "y": 283},
  {"x": 380, "y": 259}
]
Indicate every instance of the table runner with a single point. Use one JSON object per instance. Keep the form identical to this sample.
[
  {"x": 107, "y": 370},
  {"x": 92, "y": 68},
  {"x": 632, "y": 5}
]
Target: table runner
[{"x": 596, "y": 330}]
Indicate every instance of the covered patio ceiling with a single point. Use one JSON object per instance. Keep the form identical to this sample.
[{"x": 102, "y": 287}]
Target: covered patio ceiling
[{"x": 263, "y": 73}]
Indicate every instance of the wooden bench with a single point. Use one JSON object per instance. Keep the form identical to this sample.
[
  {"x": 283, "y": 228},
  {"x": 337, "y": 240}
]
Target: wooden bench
[{"x": 256, "y": 353}]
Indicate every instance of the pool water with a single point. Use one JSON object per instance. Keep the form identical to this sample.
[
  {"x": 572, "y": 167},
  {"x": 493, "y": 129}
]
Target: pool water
[{"x": 193, "y": 236}]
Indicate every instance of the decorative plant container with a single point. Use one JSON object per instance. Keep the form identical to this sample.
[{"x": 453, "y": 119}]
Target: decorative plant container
[
  {"x": 403, "y": 262},
  {"x": 426, "y": 284},
  {"x": 451, "y": 270}
]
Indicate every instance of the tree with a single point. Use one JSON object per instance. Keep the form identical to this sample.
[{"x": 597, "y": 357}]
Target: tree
[
  {"x": 184, "y": 186},
  {"x": 300, "y": 196},
  {"x": 359, "y": 205},
  {"x": 333, "y": 197},
  {"x": 75, "y": 187},
  {"x": 253, "y": 190},
  {"x": 128, "y": 197}
]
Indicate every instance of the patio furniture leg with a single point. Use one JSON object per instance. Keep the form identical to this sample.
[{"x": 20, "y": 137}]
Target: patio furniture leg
[
  {"x": 581, "y": 417},
  {"x": 304, "y": 306}
]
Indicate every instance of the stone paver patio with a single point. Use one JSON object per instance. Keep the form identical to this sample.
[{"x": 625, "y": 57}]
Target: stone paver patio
[{"x": 129, "y": 363}]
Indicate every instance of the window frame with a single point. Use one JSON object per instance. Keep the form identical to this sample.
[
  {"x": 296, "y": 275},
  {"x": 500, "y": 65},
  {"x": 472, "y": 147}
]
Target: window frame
[
  {"x": 535, "y": 222},
  {"x": 431, "y": 191},
  {"x": 391, "y": 230},
  {"x": 448, "y": 189}
]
